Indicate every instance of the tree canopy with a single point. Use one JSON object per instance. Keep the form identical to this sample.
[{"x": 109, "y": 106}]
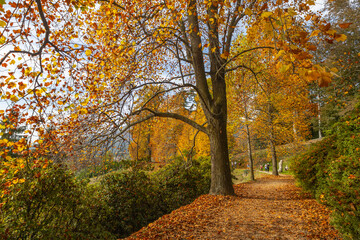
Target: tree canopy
[{"x": 86, "y": 72}]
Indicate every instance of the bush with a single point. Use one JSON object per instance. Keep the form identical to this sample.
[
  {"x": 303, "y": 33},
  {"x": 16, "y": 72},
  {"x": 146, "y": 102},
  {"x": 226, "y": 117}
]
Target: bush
[
  {"x": 309, "y": 168},
  {"x": 53, "y": 204},
  {"x": 130, "y": 198},
  {"x": 135, "y": 198},
  {"x": 105, "y": 167},
  {"x": 180, "y": 184},
  {"x": 50, "y": 204},
  {"x": 343, "y": 195},
  {"x": 330, "y": 170}
]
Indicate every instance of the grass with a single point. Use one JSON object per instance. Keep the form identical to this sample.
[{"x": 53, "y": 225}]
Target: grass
[
  {"x": 243, "y": 175},
  {"x": 288, "y": 172}
]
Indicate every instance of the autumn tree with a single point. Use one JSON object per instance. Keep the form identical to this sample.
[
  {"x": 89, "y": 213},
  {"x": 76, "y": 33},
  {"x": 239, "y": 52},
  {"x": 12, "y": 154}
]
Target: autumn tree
[
  {"x": 241, "y": 96},
  {"x": 273, "y": 96},
  {"x": 340, "y": 96},
  {"x": 344, "y": 56},
  {"x": 84, "y": 63},
  {"x": 242, "y": 90},
  {"x": 167, "y": 138}
]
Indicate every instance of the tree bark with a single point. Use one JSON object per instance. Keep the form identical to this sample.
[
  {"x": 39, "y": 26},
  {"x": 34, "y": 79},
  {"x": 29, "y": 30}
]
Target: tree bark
[
  {"x": 319, "y": 120},
  {"x": 273, "y": 158},
  {"x": 272, "y": 140},
  {"x": 215, "y": 104},
  {"x": 221, "y": 183},
  {"x": 296, "y": 115},
  {"x": 251, "y": 161}
]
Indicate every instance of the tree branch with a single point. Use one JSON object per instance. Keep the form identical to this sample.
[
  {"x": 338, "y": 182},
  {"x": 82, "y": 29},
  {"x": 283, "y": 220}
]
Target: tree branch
[{"x": 175, "y": 116}]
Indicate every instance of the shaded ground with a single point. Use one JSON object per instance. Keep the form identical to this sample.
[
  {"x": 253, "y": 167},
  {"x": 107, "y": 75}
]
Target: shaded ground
[{"x": 270, "y": 208}]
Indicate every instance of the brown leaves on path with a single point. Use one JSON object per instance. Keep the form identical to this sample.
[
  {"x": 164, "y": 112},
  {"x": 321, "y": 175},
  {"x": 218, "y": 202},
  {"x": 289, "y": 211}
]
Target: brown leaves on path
[{"x": 270, "y": 208}]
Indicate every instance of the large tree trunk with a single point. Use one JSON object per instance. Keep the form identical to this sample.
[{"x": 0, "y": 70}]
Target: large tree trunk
[
  {"x": 221, "y": 183},
  {"x": 215, "y": 104}
]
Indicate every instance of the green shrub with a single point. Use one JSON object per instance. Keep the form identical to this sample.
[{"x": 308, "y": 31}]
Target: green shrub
[
  {"x": 132, "y": 199},
  {"x": 330, "y": 170},
  {"x": 53, "y": 204},
  {"x": 309, "y": 168},
  {"x": 180, "y": 184},
  {"x": 343, "y": 195},
  {"x": 104, "y": 167},
  {"x": 50, "y": 204}
]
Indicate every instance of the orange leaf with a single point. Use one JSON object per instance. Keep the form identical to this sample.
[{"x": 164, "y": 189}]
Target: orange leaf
[
  {"x": 311, "y": 47},
  {"x": 324, "y": 81},
  {"x": 224, "y": 55},
  {"x": 22, "y": 86},
  {"x": 344, "y": 25}
]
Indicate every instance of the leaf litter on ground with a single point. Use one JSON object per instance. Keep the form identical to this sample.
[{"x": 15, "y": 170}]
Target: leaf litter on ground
[{"x": 272, "y": 207}]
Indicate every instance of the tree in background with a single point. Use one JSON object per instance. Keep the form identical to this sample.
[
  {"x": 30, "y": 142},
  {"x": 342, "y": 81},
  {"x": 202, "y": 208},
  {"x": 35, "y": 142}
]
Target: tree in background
[
  {"x": 168, "y": 138},
  {"x": 273, "y": 97},
  {"x": 337, "y": 99}
]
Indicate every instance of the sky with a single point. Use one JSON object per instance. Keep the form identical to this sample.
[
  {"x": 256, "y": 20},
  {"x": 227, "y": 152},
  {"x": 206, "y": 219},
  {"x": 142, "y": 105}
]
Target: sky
[{"x": 319, "y": 4}]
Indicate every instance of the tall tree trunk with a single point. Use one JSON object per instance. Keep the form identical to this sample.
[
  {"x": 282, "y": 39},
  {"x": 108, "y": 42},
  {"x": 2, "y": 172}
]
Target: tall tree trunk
[
  {"x": 296, "y": 115},
  {"x": 319, "y": 120},
  {"x": 148, "y": 148},
  {"x": 273, "y": 158},
  {"x": 272, "y": 140},
  {"x": 221, "y": 183},
  {"x": 319, "y": 116},
  {"x": 251, "y": 161},
  {"x": 215, "y": 104}
]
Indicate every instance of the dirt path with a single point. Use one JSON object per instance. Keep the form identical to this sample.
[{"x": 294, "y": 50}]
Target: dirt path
[{"x": 270, "y": 208}]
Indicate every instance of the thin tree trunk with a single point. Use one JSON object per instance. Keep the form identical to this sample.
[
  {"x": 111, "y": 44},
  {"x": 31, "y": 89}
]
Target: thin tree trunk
[
  {"x": 272, "y": 140},
  {"x": 319, "y": 120},
  {"x": 273, "y": 158},
  {"x": 148, "y": 148},
  {"x": 251, "y": 161},
  {"x": 294, "y": 126}
]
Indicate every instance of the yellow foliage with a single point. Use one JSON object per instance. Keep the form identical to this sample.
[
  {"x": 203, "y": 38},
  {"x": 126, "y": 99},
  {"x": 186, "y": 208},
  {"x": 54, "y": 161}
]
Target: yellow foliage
[{"x": 341, "y": 37}]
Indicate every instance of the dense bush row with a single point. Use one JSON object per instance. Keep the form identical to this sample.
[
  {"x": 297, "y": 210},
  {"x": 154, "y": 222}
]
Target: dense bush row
[
  {"x": 135, "y": 198},
  {"x": 50, "y": 204},
  {"x": 53, "y": 204},
  {"x": 102, "y": 168},
  {"x": 330, "y": 171}
]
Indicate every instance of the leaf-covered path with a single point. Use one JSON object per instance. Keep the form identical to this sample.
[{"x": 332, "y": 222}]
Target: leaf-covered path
[{"x": 270, "y": 208}]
